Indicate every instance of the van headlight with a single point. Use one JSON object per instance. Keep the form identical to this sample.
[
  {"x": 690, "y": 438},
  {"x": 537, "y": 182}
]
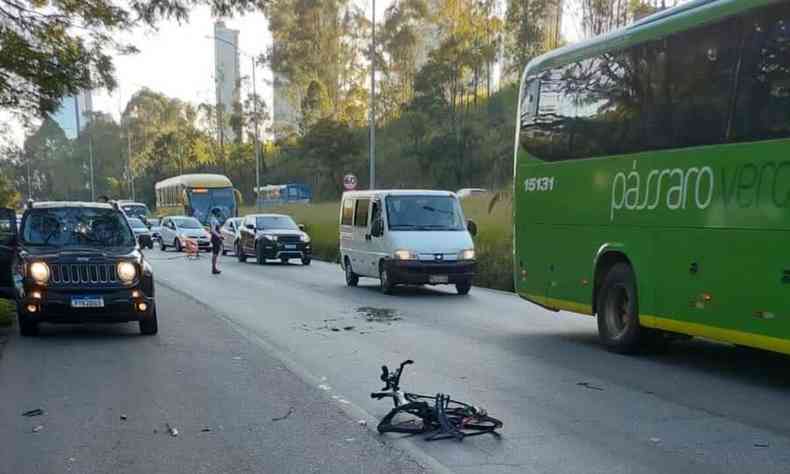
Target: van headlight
[
  {"x": 39, "y": 271},
  {"x": 127, "y": 272},
  {"x": 404, "y": 255},
  {"x": 468, "y": 254},
  {"x": 304, "y": 238}
]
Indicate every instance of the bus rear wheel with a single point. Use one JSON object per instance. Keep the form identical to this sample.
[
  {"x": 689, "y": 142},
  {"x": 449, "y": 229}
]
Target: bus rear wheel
[{"x": 618, "y": 311}]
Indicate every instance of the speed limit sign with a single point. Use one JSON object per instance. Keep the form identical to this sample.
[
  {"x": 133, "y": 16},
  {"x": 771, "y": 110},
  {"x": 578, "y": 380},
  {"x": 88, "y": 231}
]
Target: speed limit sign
[{"x": 350, "y": 182}]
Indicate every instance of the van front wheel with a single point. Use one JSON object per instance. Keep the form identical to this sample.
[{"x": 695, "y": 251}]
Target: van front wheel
[
  {"x": 352, "y": 279},
  {"x": 463, "y": 287},
  {"x": 386, "y": 281}
]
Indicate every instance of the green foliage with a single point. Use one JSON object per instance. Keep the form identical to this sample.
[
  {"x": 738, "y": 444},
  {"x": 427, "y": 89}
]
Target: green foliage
[
  {"x": 7, "y": 313},
  {"x": 49, "y": 50}
]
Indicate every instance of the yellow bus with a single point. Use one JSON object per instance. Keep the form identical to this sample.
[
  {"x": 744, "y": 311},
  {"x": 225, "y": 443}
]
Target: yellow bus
[{"x": 197, "y": 194}]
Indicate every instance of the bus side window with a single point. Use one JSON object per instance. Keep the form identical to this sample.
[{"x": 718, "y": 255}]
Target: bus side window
[{"x": 763, "y": 106}]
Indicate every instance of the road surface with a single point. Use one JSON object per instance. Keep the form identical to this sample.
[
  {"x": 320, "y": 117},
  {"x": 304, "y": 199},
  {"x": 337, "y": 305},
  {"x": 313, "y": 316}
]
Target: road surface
[{"x": 568, "y": 405}]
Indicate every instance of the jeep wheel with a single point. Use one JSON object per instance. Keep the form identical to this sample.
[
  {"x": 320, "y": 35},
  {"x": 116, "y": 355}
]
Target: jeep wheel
[
  {"x": 149, "y": 325},
  {"x": 27, "y": 328},
  {"x": 306, "y": 261},
  {"x": 284, "y": 261}
]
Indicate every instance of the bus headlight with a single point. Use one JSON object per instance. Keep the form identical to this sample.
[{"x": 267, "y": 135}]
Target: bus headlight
[
  {"x": 127, "y": 272},
  {"x": 304, "y": 238},
  {"x": 39, "y": 271},
  {"x": 405, "y": 255},
  {"x": 468, "y": 254}
]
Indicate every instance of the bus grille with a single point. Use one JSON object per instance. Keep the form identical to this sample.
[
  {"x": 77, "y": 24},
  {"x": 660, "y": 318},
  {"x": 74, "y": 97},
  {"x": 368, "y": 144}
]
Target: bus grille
[{"x": 83, "y": 273}]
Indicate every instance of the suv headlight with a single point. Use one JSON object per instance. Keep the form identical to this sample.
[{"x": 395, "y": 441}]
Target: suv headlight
[
  {"x": 304, "y": 238},
  {"x": 39, "y": 271},
  {"x": 127, "y": 272},
  {"x": 468, "y": 254},
  {"x": 405, "y": 255}
]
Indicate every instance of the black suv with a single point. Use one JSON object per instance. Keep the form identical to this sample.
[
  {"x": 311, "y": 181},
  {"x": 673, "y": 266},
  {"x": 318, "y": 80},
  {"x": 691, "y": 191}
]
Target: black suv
[
  {"x": 74, "y": 262},
  {"x": 273, "y": 237}
]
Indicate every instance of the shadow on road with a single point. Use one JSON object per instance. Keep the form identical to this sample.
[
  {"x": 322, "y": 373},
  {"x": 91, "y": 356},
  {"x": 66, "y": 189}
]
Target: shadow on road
[{"x": 82, "y": 332}]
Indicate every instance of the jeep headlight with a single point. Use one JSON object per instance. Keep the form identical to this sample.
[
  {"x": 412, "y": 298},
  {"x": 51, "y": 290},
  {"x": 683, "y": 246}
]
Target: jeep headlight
[
  {"x": 405, "y": 255},
  {"x": 304, "y": 238},
  {"x": 127, "y": 272},
  {"x": 468, "y": 254},
  {"x": 39, "y": 271},
  {"x": 273, "y": 238}
]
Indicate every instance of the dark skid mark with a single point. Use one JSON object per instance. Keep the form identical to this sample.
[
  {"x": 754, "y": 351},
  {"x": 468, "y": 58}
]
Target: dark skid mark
[{"x": 380, "y": 315}]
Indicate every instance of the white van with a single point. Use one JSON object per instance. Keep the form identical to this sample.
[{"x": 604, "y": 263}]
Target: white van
[{"x": 406, "y": 237}]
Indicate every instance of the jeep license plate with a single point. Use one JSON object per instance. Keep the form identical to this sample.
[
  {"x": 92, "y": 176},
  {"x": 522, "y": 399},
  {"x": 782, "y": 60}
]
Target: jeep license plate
[
  {"x": 437, "y": 279},
  {"x": 87, "y": 302}
]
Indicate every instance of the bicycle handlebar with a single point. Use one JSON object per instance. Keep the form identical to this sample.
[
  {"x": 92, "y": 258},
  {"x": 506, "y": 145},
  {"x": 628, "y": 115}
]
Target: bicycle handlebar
[{"x": 392, "y": 381}]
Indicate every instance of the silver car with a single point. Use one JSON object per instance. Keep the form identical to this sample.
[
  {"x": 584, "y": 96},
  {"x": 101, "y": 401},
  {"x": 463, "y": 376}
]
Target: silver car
[
  {"x": 176, "y": 229},
  {"x": 141, "y": 233},
  {"x": 230, "y": 234}
]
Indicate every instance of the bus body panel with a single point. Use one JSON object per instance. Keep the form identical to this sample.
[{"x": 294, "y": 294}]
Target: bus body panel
[{"x": 705, "y": 228}]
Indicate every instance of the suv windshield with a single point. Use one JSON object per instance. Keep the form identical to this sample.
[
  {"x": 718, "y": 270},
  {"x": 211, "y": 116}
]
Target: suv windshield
[
  {"x": 424, "y": 213},
  {"x": 136, "y": 223},
  {"x": 135, "y": 210},
  {"x": 187, "y": 223},
  {"x": 77, "y": 226},
  {"x": 275, "y": 222}
]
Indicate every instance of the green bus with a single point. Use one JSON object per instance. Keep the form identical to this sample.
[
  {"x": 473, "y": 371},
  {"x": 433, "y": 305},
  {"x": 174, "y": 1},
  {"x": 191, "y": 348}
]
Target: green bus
[{"x": 652, "y": 177}]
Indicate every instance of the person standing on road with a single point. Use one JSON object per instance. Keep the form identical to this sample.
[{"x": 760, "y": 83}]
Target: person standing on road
[{"x": 216, "y": 239}]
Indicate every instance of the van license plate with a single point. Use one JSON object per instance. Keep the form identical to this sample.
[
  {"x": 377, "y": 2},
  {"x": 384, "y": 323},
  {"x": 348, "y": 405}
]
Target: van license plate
[
  {"x": 290, "y": 247},
  {"x": 437, "y": 279},
  {"x": 87, "y": 302}
]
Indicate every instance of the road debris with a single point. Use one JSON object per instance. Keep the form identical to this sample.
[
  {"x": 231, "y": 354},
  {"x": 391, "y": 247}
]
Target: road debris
[
  {"x": 761, "y": 445},
  {"x": 38, "y": 428},
  {"x": 281, "y": 418},
  {"x": 205, "y": 430},
  {"x": 363, "y": 422},
  {"x": 124, "y": 417},
  {"x": 343, "y": 401},
  {"x": 171, "y": 430},
  {"x": 72, "y": 459},
  {"x": 589, "y": 385},
  {"x": 378, "y": 315},
  {"x": 36, "y": 412},
  {"x": 334, "y": 329},
  {"x": 350, "y": 440},
  {"x": 325, "y": 387},
  {"x": 655, "y": 440}
]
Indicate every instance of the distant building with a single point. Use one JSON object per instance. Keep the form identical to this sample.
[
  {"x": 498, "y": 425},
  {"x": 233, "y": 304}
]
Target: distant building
[
  {"x": 74, "y": 113},
  {"x": 227, "y": 79}
]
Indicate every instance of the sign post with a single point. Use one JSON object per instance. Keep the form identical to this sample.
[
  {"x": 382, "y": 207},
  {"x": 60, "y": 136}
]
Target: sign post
[{"x": 349, "y": 182}]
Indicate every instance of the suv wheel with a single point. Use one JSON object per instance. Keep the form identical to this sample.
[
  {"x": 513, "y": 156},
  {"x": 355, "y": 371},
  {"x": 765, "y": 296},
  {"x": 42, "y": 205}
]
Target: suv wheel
[
  {"x": 259, "y": 258},
  {"x": 27, "y": 328},
  {"x": 149, "y": 326}
]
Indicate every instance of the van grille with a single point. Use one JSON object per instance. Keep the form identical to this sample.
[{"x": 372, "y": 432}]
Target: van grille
[{"x": 83, "y": 273}]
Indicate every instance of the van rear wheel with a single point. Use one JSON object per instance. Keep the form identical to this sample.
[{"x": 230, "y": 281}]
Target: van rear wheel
[{"x": 352, "y": 279}]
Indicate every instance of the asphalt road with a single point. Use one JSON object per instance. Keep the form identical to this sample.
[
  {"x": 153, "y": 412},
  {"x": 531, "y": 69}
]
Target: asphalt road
[
  {"x": 237, "y": 409},
  {"x": 568, "y": 405},
  {"x": 305, "y": 340}
]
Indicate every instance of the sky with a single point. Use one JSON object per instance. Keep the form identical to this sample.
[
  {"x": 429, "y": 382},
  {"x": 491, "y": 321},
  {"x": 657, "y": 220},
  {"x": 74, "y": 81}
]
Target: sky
[{"x": 178, "y": 59}]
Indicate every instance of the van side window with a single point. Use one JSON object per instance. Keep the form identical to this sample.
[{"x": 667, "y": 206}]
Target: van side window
[
  {"x": 361, "y": 213},
  {"x": 348, "y": 212}
]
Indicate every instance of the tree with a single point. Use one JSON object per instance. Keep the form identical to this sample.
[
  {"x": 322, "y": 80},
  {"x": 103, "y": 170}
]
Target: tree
[{"x": 50, "y": 50}]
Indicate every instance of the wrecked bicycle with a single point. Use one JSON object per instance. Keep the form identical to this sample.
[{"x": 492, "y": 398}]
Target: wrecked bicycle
[{"x": 439, "y": 416}]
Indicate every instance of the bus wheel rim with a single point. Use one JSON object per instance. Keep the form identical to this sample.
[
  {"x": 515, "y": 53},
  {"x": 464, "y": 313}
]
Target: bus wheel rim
[{"x": 618, "y": 312}]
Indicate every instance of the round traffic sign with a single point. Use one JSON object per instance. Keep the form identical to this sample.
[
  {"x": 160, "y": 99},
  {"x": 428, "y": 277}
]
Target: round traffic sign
[{"x": 350, "y": 182}]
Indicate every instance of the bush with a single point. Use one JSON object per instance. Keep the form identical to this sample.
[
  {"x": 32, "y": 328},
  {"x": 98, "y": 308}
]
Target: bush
[
  {"x": 494, "y": 242},
  {"x": 7, "y": 313}
]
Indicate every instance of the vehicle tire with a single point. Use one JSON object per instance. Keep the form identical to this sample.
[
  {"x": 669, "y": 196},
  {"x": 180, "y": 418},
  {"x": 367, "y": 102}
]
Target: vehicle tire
[
  {"x": 306, "y": 261},
  {"x": 150, "y": 325},
  {"x": 352, "y": 279},
  {"x": 463, "y": 287},
  {"x": 162, "y": 245},
  {"x": 27, "y": 328},
  {"x": 386, "y": 281},
  {"x": 150, "y": 245},
  {"x": 618, "y": 311},
  {"x": 259, "y": 258},
  {"x": 240, "y": 253},
  {"x": 284, "y": 261},
  {"x": 177, "y": 245},
  {"x": 224, "y": 250}
]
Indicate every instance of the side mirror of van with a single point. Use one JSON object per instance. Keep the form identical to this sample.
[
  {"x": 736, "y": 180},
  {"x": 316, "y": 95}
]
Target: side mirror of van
[
  {"x": 250, "y": 226},
  {"x": 302, "y": 227},
  {"x": 377, "y": 229},
  {"x": 471, "y": 227}
]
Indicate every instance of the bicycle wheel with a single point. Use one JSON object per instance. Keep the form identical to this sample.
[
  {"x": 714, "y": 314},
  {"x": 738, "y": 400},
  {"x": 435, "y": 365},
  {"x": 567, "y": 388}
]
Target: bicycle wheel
[
  {"x": 478, "y": 424},
  {"x": 409, "y": 418}
]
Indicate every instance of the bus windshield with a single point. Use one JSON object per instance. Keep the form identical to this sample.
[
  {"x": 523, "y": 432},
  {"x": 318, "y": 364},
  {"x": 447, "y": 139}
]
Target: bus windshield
[
  {"x": 203, "y": 200},
  {"x": 424, "y": 213}
]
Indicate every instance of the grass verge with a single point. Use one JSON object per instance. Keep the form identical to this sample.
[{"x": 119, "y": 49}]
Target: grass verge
[
  {"x": 494, "y": 242},
  {"x": 7, "y": 313}
]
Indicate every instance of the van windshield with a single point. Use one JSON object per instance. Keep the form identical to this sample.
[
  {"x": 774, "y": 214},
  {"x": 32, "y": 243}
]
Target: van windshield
[{"x": 424, "y": 213}]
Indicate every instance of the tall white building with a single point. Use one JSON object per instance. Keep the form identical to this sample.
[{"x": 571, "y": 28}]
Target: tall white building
[
  {"x": 227, "y": 78},
  {"x": 74, "y": 113}
]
